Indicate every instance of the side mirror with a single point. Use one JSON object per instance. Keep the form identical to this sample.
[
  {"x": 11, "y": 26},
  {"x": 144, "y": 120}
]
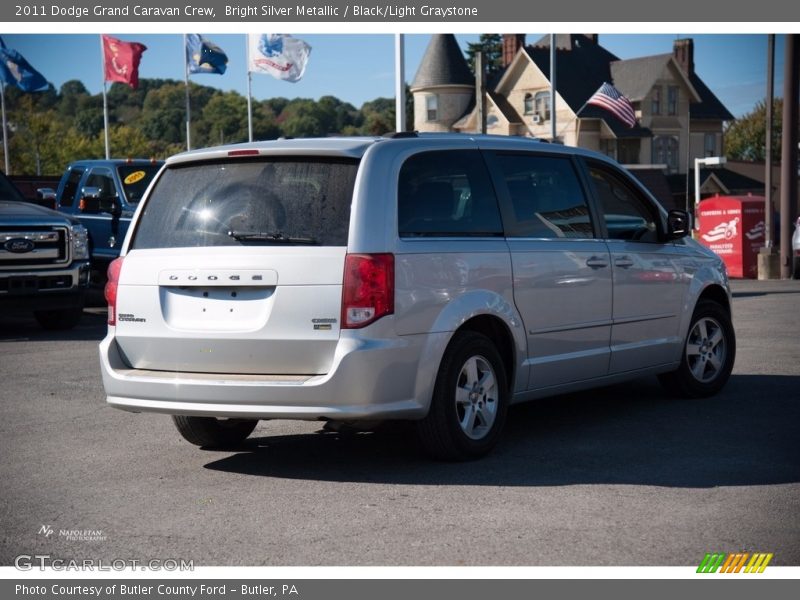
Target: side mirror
[
  {"x": 90, "y": 200},
  {"x": 46, "y": 197},
  {"x": 679, "y": 224},
  {"x": 46, "y": 194}
]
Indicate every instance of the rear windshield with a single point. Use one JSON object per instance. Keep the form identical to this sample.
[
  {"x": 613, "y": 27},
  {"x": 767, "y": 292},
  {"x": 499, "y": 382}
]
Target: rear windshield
[
  {"x": 135, "y": 180},
  {"x": 266, "y": 201}
]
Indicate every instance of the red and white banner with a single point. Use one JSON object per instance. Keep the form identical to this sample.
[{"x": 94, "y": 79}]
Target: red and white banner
[{"x": 121, "y": 60}]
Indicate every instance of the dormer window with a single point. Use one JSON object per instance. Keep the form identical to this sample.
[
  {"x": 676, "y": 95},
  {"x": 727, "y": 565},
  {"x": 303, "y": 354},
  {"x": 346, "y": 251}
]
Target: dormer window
[
  {"x": 655, "y": 108},
  {"x": 542, "y": 104},
  {"x": 672, "y": 100},
  {"x": 527, "y": 104}
]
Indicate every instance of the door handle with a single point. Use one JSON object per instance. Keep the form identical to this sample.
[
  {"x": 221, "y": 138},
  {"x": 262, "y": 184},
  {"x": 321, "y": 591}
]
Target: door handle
[
  {"x": 623, "y": 262},
  {"x": 595, "y": 262}
]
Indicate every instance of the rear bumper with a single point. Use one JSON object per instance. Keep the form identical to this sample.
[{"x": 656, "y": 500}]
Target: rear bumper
[{"x": 369, "y": 379}]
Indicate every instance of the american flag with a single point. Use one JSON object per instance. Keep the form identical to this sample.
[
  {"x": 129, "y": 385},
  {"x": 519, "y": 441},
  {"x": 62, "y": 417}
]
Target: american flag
[{"x": 610, "y": 98}]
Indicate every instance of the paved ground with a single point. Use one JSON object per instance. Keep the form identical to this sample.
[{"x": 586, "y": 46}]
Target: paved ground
[{"x": 619, "y": 476}]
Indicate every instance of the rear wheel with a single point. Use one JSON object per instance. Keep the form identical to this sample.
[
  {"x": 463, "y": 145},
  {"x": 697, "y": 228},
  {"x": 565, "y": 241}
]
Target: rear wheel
[
  {"x": 708, "y": 354},
  {"x": 212, "y": 432},
  {"x": 470, "y": 400},
  {"x": 63, "y": 318}
]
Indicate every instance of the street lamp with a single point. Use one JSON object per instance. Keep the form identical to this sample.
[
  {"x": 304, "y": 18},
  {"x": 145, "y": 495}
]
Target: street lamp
[{"x": 708, "y": 161}]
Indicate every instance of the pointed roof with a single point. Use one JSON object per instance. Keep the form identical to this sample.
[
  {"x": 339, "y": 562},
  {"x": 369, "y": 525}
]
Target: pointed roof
[{"x": 443, "y": 64}]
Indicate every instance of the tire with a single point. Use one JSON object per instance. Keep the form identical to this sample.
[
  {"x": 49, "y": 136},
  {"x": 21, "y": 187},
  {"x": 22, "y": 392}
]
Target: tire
[
  {"x": 60, "y": 319},
  {"x": 210, "y": 432},
  {"x": 469, "y": 403},
  {"x": 708, "y": 354}
]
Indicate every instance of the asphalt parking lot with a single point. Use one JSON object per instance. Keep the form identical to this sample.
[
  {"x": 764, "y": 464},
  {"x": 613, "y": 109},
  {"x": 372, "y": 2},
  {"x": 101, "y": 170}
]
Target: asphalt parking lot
[{"x": 620, "y": 476}]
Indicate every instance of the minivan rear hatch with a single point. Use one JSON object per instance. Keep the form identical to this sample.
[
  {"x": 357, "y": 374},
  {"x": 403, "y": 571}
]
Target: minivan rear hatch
[{"x": 235, "y": 266}]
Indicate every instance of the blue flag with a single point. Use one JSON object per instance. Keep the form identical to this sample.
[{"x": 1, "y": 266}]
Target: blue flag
[
  {"x": 204, "y": 56},
  {"x": 15, "y": 70}
]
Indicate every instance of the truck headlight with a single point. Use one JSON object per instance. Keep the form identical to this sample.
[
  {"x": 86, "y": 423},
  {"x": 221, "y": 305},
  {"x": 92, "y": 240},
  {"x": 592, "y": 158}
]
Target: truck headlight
[{"x": 80, "y": 242}]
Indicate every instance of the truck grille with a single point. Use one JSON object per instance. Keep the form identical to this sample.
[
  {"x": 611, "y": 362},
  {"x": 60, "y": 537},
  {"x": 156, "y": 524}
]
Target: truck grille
[{"x": 33, "y": 246}]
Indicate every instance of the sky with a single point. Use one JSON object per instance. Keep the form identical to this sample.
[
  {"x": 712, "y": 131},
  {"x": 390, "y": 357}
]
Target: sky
[{"x": 357, "y": 68}]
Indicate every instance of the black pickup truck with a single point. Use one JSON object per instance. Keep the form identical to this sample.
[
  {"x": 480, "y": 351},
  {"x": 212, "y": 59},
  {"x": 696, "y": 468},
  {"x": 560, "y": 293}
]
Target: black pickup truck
[{"x": 44, "y": 260}]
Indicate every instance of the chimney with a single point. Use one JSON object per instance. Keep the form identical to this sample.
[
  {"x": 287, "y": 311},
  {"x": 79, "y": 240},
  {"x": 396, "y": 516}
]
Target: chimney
[
  {"x": 683, "y": 51},
  {"x": 512, "y": 42},
  {"x": 593, "y": 37}
]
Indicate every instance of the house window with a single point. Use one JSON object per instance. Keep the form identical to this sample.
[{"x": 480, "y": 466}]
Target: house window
[
  {"x": 710, "y": 145},
  {"x": 528, "y": 104},
  {"x": 672, "y": 100},
  {"x": 542, "y": 103},
  {"x": 656, "y": 105},
  {"x": 609, "y": 148},
  {"x": 665, "y": 151},
  {"x": 432, "y": 108}
]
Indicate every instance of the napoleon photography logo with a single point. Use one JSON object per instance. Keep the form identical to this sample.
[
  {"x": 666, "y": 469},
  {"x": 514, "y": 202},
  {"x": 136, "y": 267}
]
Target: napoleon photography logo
[
  {"x": 74, "y": 535},
  {"x": 722, "y": 562},
  {"x": 46, "y": 530}
]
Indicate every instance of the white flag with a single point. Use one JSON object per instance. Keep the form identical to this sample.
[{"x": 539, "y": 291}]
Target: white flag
[{"x": 279, "y": 55}]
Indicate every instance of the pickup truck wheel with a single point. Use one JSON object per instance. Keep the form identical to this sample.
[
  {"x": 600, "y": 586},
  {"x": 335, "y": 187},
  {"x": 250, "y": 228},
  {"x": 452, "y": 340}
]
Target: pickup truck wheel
[
  {"x": 470, "y": 400},
  {"x": 708, "y": 354},
  {"x": 64, "y": 318},
  {"x": 210, "y": 432}
]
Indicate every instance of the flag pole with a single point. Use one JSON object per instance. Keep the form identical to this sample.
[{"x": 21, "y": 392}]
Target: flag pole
[
  {"x": 5, "y": 128},
  {"x": 105, "y": 97},
  {"x": 188, "y": 103},
  {"x": 249, "y": 90},
  {"x": 249, "y": 106},
  {"x": 399, "y": 84}
]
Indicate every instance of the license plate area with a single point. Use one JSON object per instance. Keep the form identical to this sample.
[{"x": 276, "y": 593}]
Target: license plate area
[{"x": 216, "y": 308}]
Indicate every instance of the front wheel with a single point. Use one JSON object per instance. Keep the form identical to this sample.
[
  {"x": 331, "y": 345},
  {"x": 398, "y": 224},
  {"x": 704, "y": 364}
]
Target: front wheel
[
  {"x": 210, "y": 432},
  {"x": 470, "y": 400},
  {"x": 708, "y": 354}
]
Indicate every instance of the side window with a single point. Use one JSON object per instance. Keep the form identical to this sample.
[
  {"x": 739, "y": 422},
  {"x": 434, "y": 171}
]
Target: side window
[
  {"x": 447, "y": 193},
  {"x": 547, "y": 200},
  {"x": 101, "y": 178},
  {"x": 71, "y": 186},
  {"x": 627, "y": 215}
]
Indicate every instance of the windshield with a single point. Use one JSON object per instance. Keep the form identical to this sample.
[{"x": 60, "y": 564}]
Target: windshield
[
  {"x": 266, "y": 201},
  {"x": 135, "y": 179}
]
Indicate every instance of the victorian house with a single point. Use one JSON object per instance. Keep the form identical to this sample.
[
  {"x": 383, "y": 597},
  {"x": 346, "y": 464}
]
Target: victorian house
[{"x": 678, "y": 117}]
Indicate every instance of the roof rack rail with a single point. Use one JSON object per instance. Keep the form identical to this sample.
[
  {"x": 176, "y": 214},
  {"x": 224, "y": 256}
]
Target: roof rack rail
[{"x": 397, "y": 135}]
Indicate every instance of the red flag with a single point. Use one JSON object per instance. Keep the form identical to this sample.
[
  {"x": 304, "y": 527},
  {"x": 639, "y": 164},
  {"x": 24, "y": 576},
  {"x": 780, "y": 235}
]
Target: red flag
[{"x": 121, "y": 60}]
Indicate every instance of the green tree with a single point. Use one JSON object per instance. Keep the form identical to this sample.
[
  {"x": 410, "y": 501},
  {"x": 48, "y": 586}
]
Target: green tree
[
  {"x": 491, "y": 44},
  {"x": 746, "y": 138}
]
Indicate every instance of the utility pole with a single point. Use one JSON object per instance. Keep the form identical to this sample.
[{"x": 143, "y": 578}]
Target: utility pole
[
  {"x": 768, "y": 267},
  {"x": 791, "y": 97},
  {"x": 480, "y": 91}
]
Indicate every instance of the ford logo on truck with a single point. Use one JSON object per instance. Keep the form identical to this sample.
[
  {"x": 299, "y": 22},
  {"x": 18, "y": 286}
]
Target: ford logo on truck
[{"x": 19, "y": 245}]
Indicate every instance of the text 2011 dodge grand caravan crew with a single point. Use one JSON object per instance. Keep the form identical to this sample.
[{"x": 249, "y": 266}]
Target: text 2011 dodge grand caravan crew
[{"x": 437, "y": 279}]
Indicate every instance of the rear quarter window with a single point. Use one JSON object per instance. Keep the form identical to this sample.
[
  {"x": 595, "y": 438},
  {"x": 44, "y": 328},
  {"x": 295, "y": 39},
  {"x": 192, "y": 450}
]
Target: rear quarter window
[
  {"x": 276, "y": 200},
  {"x": 447, "y": 193}
]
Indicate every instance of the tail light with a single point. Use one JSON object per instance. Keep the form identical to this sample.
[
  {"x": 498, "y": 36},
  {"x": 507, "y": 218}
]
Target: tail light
[
  {"x": 368, "y": 290},
  {"x": 111, "y": 289}
]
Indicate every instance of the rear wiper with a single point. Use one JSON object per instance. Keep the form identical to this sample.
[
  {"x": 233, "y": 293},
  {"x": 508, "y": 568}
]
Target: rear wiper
[{"x": 267, "y": 236}]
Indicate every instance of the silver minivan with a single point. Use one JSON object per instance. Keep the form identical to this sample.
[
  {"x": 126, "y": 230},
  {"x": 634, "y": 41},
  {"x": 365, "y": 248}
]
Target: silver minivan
[{"x": 431, "y": 278}]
